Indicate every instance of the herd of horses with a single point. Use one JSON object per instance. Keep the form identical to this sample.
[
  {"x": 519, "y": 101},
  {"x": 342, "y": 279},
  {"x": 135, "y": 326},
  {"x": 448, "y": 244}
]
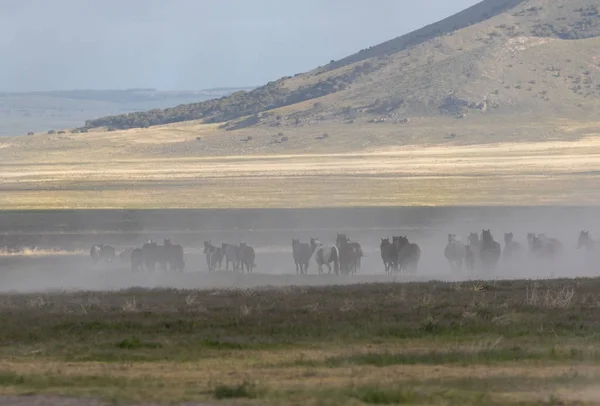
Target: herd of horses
[
  {"x": 242, "y": 257},
  {"x": 483, "y": 252},
  {"x": 345, "y": 255},
  {"x": 480, "y": 253},
  {"x": 167, "y": 256}
]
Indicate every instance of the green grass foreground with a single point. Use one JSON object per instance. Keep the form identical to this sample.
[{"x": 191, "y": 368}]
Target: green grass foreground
[{"x": 504, "y": 342}]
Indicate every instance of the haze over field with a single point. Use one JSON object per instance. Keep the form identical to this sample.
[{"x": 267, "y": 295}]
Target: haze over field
[{"x": 463, "y": 157}]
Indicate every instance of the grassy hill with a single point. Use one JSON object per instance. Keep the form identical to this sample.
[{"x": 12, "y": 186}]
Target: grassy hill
[
  {"x": 23, "y": 112},
  {"x": 531, "y": 57}
]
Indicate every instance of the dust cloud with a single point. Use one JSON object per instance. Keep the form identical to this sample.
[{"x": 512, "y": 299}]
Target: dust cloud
[{"x": 60, "y": 260}]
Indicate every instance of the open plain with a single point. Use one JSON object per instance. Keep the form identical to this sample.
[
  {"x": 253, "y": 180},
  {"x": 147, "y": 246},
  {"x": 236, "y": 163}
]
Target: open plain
[
  {"x": 487, "y": 119},
  {"x": 554, "y": 163},
  {"x": 524, "y": 335},
  {"x": 101, "y": 332}
]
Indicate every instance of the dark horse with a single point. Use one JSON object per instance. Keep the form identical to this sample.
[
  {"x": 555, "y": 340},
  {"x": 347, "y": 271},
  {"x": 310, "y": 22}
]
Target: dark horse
[
  {"x": 102, "y": 251},
  {"x": 389, "y": 255},
  {"x": 358, "y": 252},
  {"x": 511, "y": 247},
  {"x": 592, "y": 253},
  {"x": 247, "y": 257},
  {"x": 171, "y": 255},
  {"x": 150, "y": 254},
  {"x": 350, "y": 254},
  {"x": 137, "y": 259},
  {"x": 543, "y": 247},
  {"x": 409, "y": 254},
  {"x": 490, "y": 251},
  {"x": 302, "y": 253},
  {"x": 214, "y": 256},
  {"x": 231, "y": 253}
]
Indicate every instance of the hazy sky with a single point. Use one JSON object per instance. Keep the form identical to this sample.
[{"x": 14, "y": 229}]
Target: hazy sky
[{"x": 191, "y": 44}]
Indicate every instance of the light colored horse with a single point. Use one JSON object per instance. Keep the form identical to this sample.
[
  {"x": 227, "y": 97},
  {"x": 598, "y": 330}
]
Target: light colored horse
[
  {"x": 326, "y": 254},
  {"x": 455, "y": 252}
]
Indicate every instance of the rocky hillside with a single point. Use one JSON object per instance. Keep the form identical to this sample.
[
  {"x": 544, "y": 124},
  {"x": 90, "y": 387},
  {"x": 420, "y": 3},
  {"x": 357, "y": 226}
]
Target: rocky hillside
[{"x": 536, "y": 57}]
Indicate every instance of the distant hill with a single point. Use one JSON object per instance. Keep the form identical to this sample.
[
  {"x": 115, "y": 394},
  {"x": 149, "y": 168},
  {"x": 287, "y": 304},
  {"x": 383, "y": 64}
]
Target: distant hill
[
  {"x": 534, "y": 57},
  {"x": 42, "y": 111}
]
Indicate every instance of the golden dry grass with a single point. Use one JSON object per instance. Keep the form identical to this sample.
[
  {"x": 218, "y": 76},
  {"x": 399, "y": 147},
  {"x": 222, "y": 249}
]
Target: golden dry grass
[{"x": 107, "y": 170}]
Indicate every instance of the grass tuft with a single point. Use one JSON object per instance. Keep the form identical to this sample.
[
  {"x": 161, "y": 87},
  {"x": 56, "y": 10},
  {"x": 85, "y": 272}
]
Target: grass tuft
[
  {"x": 381, "y": 396},
  {"x": 242, "y": 390},
  {"x": 135, "y": 343}
]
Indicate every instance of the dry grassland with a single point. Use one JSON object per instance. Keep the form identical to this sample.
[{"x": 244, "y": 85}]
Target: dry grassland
[
  {"x": 503, "y": 343},
  {"x": 122, "y": 169}
]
